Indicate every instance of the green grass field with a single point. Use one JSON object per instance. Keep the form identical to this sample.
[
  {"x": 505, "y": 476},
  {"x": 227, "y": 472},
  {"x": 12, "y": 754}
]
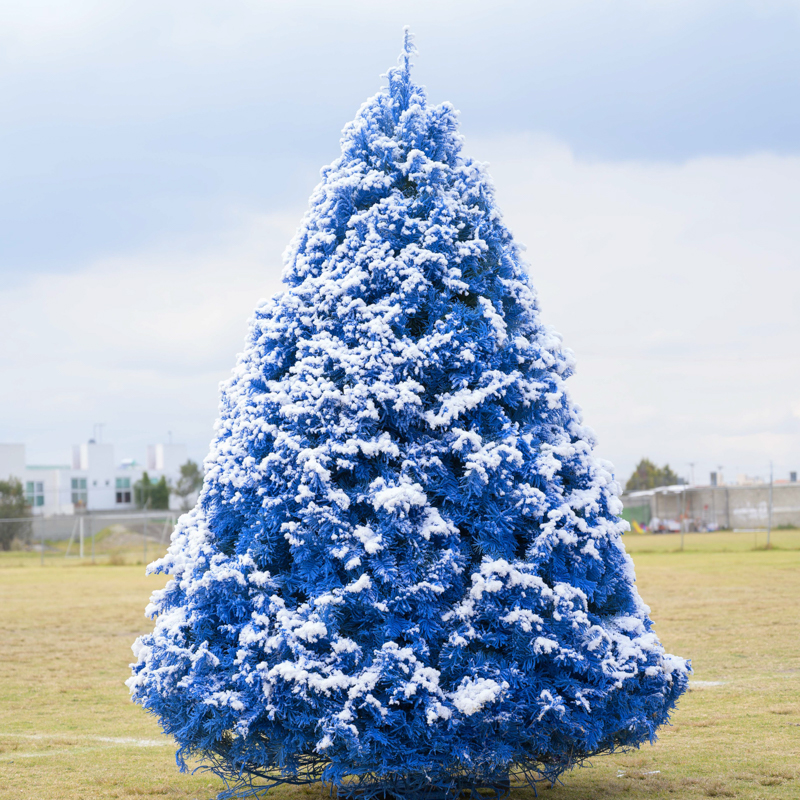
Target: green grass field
[{"x": 69, "y": 732}]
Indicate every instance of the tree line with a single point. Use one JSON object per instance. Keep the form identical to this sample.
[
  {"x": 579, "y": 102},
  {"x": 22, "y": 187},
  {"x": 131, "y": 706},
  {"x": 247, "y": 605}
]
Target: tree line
[
  {"x": 647, "y": 475},
  {"x": 155, "y": 494}
]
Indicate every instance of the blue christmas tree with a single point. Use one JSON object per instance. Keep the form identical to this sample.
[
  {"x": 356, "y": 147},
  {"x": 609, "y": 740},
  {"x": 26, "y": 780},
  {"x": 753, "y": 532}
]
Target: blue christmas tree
[{"x": 404, "y": 573}]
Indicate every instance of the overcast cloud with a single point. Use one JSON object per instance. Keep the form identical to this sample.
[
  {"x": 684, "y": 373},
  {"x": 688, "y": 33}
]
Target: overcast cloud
[{"x": 156, "y": 159}]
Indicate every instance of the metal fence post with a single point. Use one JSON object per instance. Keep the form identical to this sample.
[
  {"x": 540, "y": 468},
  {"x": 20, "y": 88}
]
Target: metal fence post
[{"x": 81, "y": 537}]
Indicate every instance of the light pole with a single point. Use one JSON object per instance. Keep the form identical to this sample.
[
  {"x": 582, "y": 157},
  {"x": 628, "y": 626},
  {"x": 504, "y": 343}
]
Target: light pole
[{"x": 687, "y": 499}]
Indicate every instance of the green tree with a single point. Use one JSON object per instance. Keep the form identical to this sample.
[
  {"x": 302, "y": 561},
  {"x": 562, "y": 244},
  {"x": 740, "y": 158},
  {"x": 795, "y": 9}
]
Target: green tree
[
  {"x": 13, "y": 507},
  {"x": 648, "y": 476},
  {"x": 151, "y": 494},
  {"x": 141, "y": 491},
  {"x": 159, "y": 494},
  {"x": 190, "y": 482}
]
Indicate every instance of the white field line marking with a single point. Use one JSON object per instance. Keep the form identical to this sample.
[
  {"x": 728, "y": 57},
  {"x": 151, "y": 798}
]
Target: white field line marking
[
  {"x": 106, "y": 739},
  {"x": 702, "y": 684},
  {"x": 621, "y": 772},
  {"x": 132, "y": 742},
  {"x": 37, "y": 754}
]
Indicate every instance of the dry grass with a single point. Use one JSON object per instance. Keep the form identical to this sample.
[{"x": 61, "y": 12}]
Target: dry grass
[
  {"x": 719, "y": 542},
  {"x": 69, "y": 732}
]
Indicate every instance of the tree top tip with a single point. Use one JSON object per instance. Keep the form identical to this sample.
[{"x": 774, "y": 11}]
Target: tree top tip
[{"x": 409, "y": 49}]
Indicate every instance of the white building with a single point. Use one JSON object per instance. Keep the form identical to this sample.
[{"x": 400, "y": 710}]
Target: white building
[
  {"x": 93, "y": 482},
  {"x": 166, "y": 459},
  {"x": 12, "y": 461}
]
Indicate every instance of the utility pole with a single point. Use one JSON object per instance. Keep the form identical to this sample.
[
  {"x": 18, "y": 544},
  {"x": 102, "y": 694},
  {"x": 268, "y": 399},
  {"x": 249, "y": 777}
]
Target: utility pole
[
  {"x": 714, "y": 507},
  {"x": 144, "y": 534},
  {"x": 769, "y": 513},
  {"x": 683, "y": 517}
]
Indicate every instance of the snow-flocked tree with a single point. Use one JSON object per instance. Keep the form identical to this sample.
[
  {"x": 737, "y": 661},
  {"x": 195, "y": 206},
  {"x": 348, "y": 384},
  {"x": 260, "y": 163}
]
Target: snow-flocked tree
[{"x": 404, "y": 571}]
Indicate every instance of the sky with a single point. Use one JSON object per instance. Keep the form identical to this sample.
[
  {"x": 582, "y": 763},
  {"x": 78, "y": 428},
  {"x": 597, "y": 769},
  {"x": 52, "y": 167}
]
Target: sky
[{"x": 156, "y": 158}]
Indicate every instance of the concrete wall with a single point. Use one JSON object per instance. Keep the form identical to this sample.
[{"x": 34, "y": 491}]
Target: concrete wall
[{"x": 722, "y": 506}]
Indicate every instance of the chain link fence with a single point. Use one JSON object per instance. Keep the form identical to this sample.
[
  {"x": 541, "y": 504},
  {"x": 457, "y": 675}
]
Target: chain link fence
[{"x": 99, "y": 538}]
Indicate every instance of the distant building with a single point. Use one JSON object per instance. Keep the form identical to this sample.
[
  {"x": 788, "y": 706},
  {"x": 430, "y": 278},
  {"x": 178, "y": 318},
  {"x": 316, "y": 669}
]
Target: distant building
[
  {"x": 93, "y": 482},
  {"x": 738, "y": 506},
  {"x": 166, "y": 458},
  {"x": 12, "y": 461}
]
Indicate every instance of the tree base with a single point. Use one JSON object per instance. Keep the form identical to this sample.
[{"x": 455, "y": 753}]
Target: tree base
[{"x": 421, "y": 789}]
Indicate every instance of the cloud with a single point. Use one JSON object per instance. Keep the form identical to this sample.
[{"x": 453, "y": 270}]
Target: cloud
[
  {"x": 138, "y": 342},
  {"x": 677, "y": 286},
  {"x": 132, "y": 123}
]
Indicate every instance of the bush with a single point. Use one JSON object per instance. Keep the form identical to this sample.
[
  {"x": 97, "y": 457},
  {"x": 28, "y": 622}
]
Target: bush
[{"x": 13, "y": 513}]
